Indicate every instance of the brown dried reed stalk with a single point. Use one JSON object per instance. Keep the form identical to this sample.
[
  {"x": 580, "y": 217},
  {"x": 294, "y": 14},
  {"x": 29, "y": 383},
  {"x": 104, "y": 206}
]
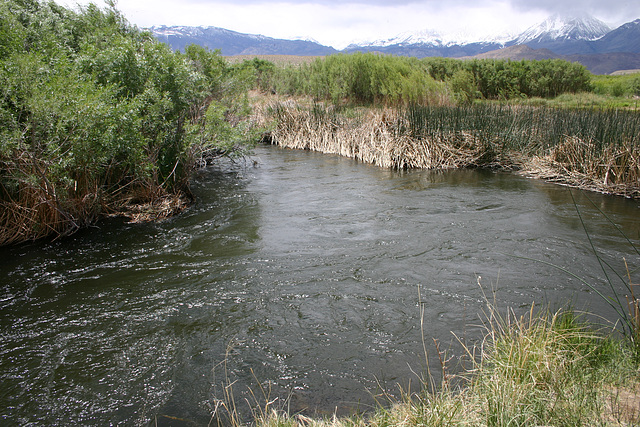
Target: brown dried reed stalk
[
  {"x": 382, "y": 136},
  {"x": 374, "y": 136},
  {"x": 574, "y": 162},
  {"x": 33, "y": 216}
]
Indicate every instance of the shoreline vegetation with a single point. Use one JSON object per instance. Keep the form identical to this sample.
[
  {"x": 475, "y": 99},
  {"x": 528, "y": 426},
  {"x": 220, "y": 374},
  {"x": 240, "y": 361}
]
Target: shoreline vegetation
[
  {"x": 100, "y": 119},
  {"x": 545, "y": 119},
  {"x": 556, "y": 145},
  {"x": 537, "y": 369}
]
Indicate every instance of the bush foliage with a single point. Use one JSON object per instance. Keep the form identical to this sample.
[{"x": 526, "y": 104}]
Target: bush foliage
[
  {"x": 96, "y": 114},
  {"x": 366, "y": 78}
]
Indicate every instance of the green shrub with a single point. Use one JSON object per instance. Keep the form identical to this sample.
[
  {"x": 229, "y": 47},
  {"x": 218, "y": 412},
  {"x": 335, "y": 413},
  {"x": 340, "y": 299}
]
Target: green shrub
[
  {"x": 96, "y": 114},
  {"x": 366, "y": 78}
]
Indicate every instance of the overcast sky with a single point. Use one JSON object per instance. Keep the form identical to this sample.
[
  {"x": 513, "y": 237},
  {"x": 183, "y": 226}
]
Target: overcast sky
[{"x": 339, "y": 22}]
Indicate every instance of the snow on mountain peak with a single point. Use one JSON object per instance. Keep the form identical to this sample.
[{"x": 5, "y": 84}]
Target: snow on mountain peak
[
  {"x": 578, "y": 26},
  {"x": 564, "y": 27},
  {"x": 435, "y": 38}
]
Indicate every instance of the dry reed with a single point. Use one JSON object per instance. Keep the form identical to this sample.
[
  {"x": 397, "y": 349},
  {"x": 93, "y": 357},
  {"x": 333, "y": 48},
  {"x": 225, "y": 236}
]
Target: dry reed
[
  {"x": 614, "y": 170},
  {"x": 40, "y": 209},
  {"x": 537, "y": 143},
  {"x": 374, "y": 136}
]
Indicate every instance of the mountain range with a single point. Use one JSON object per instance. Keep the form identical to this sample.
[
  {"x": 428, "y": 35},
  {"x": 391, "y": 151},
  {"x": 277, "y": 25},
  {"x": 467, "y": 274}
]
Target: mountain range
[
  {"x": 576, "y": 38},
  {"x": 233, "y": 43}
]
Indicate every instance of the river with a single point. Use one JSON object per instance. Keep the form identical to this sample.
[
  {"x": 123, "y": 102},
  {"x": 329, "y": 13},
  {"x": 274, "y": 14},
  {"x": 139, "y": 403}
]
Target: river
[{"x": 299, "y": 280}]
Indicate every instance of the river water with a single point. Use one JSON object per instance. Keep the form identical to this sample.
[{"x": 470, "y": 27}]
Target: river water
[{"x": 298, "y": 280}]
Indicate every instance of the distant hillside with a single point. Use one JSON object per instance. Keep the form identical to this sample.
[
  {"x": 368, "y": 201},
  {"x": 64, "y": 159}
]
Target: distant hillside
[
  {"x": 607, "y": 63},
  {"x": 234, "y": 43},
  {"x": 423, "y": 50},
  {"x": 624, "y": 72},
  {"x": 276, "y": 59},
  {"x": 518, "y": 53}
]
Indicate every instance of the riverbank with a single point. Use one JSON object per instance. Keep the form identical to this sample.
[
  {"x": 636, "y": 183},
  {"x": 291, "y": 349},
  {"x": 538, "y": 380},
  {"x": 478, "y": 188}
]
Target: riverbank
[
  {"x": 42, "y": 215},
  {"x": 537, "y": 369},
  {"x": 586, "y": 149}
]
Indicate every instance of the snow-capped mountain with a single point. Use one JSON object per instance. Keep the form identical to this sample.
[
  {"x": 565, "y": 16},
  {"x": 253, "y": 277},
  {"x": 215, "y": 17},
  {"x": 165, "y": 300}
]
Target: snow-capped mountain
[
  {"x": 559, "y": 28},
  {"x": 428, "y": 37},
  {"x": 562, "y": 34},
  {"x": 430, "y": 43},
  {"x": 434, "y": 38},
  {"x": 168, "y": 31}
]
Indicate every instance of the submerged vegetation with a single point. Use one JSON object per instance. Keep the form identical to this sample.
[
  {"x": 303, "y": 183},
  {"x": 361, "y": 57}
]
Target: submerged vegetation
[{"x": 98, "y": 118}]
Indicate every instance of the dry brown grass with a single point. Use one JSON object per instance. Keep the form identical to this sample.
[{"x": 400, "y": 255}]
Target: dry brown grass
[
  {"x": 370, "y": 137},
  {"x": 615, "y": 170},
  {"x": 378, "y": 136},
  {"x": 38, "y": 211},
  {"x": 20, "y": 222},
  {"x": 156, "y": 208},
  {"x": 35, "y": 209}
]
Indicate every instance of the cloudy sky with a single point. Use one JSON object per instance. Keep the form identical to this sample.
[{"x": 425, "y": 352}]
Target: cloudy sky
[{"x": 340, "y": 22}]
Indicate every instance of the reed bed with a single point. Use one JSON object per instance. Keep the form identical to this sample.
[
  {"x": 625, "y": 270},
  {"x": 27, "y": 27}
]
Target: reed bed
[
  {"x": 21, "y": 222},
  {"x": 373, "y": 136},
  {"x": 38, "y": 208},
  {"x": 597, "y": 150},
  {"x": 34, "y": 209}
]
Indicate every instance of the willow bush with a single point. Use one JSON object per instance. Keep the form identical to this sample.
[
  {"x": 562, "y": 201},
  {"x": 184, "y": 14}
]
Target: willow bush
[
  {"x": 367, "y": 78},
  {"x": 98, "y": 117},
  {"x": 619, "y": 85},
  {"x": 360, "y": 78}
]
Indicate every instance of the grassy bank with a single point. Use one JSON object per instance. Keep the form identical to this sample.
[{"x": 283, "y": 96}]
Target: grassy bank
[
  {"x": 538, "y": 369},
  {"x": 597, "y": 150}
]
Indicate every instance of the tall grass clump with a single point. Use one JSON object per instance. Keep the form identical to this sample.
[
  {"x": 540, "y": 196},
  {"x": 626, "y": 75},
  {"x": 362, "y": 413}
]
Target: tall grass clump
[{"x": 551, "y": 369}]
